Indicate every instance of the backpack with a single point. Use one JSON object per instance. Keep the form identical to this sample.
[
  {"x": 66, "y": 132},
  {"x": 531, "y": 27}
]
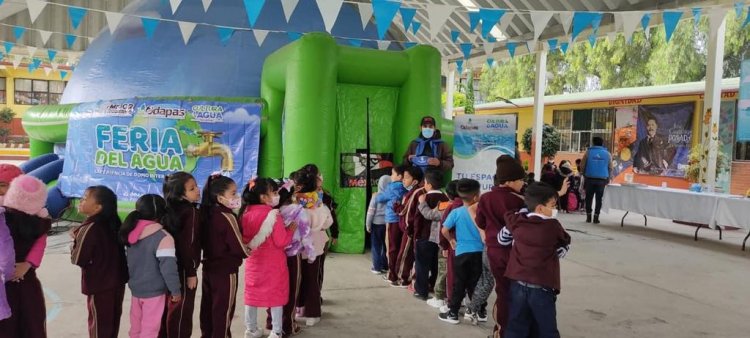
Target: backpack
[{"x": 572, "y": 202}]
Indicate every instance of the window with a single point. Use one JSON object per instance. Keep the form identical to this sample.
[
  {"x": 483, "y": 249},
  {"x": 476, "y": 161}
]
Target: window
[
  {"x": 33, "y": 92},
  {"x": 578, "y": 127},
  {"x": 2, "y": 90}
]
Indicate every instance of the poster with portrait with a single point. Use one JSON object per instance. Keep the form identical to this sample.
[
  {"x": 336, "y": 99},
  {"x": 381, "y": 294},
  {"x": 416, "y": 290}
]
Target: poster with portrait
[
  {"x": 664, "y": 139},
  {"x": 626, "y": 135}
]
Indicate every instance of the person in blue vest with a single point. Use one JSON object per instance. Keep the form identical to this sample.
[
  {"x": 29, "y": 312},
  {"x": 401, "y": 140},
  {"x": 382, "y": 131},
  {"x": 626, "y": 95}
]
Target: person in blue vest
[
  {"x": 597, "y": 172},
  {"x": 429, "y": 150}
]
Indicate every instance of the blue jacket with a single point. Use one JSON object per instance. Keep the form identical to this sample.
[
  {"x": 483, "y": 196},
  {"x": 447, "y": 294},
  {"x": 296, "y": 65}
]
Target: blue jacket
[
  {"x": 597, "y": 163},
  {"x": 392, "y": 194}
]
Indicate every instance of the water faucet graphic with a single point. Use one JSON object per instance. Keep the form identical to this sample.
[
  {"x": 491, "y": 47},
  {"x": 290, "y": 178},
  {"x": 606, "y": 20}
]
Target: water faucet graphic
[{"x": 209, "y": 149}]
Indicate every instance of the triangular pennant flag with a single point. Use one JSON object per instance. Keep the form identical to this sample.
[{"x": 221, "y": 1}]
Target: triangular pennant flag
[
  {"x": 113, "y": 20},
  {"x": 149, "y": 26},
  {"x": 206, "y": 4},
  {"x": 407, "y": 16},
  {"x": 32, "y": 51},
  {"x": 293, "y": 36},
  {"x": 409, "y": 44},
  {"x": 696, "y": 17},
  {"x": 488, "y": 47},
  {"x": 31, "y": 67},
  {"x": 63, "y": 74},
  {"x": 629, "y": 23},
  {"x": 415, "y": 25},
  {"x": 582, "y": 20},
  {"x": 383, "y": 45},
  {"x": 18, "y": 32},
  {"x": 329, "y": 10},
  {"x": 566, "y": 18},
  {"x": 645, "y": 21},
  {"x": 491, "y": 39},
  {"x": 260, "y": 36},
  {"x": 288, "y": 6},
  {"x": 54, "y": 66},
  {"x": 70, "y": 39},
  {"x": 76, "y": 15},
  {"x": 596, "y": 22},
  {"x": 35, "y": 8},
  {"x": 592, "y": 40},
  {"x": 540, "y": 21},
  {"x": 225, "y": 34},
  {"x": 17, "y": 61},
  {"x": 252, "y": 8},
  {"x": 738, "y": 9},
  {"x": 384, "y": 11},
  {"x": 552, "y": 44},
  {"x": 490, "y": 61},
  {"x": 186, "y": 30},
  {"x": 365, "y": 13},
  {"x": 454, "y": 36},
  {"x": 355, "y": 42},
  {"x": 747, "y": 18},
  {"x": 51, "y": 53},
  {"x": 460, "y": 66},
  {"x": 438, "y": 15},
  {"x": 670, "y": 22},
  {"x": 511, "y": 48},
  {"x": 466, "y": 49},
  {"x": 8, "y": 46},
  {"x": 564, "y": 47},
  {"x": 505, "y": 21},
  {"x": 47, "y": 70},
  {"x": 175, "y": 4},
  {"x": 36, "y": 62},
  {"x": 45, "y": 36},
  {"x": 473, "y": 20},
  {"x": 490, "y": 18}
]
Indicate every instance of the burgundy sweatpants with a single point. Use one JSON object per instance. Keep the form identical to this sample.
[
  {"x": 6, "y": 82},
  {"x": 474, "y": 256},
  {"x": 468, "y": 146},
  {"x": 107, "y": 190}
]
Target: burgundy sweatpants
[
  {"x": 178, "y": 317},
  {"x": 393, "y": 246},
  {"x": 449, "y": 274},
  {"x": 497, "y": 258},
  {"x": 105, "y": 311},
  {"x": 309, "y": 293},
  {"x": 217, "y": 304},
  {"x": 405, "y": 260},
  {"x": 26, "y": 301},
  {"x": 289, "y": 326}
]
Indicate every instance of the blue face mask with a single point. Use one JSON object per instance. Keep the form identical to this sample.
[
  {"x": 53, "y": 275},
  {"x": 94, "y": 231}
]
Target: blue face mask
[
  {"x": 320, "y": 196},
  {"x": 428, "y": 132}
]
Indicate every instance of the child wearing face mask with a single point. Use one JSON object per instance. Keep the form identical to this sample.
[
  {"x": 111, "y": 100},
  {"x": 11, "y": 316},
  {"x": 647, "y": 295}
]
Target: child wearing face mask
[
  {"x": 223, "y": 252},
  {"x": 266, "y": 272},
  {"x": 539, "y": 242}
]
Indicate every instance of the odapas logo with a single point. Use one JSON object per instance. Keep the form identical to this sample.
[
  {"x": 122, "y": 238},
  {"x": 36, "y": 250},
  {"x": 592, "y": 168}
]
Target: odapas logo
[
  {"x": 176, "y": 113},
  {"x": 469, "y": 125}
]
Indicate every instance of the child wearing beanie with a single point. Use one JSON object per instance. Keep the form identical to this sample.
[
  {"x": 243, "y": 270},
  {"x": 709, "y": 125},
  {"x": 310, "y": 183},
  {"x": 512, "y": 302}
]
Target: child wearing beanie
[
  {"x": 493, "y": 205},
  {"x": 27, "y": 221}
]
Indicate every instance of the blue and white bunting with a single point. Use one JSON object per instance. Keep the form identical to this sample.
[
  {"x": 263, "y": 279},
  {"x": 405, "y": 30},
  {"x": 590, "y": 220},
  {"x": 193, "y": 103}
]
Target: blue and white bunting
[
  {"x": 511, "y": 48},
  {"x": 252, "y": 9},
  {"x": 407, "y": 16},
  {"x": 76, "y": 15},
  {"x": 18, "y": 32},
  {"x": 51, "y": 53},
  {"x": 490, "y": 17},
  {"x": 355, "y": 42},
  {"x": 415, "y": 26},
  {"x": 552, "y": 44},
  {"x": 293, "y": 36},
  {"x": 225, "y": 34},
  {"x": 466, "y": 49},
  {"x": 455, "y": 35},
  {"x": 473, "y": 20},
  {"x": 70, "y": 39},
  {"x": 671, "y": 19},
  {"x": 384, "y": 12},
  {"x": 149, "y": 26}
]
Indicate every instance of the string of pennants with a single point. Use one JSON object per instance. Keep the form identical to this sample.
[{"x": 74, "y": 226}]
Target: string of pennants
[{"x": 384, "y": 13}]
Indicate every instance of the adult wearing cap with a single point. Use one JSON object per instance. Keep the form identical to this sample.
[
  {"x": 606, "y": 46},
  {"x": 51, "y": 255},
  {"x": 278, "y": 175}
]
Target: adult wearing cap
[
  {"x": 428, "y": 150},
  {"x": 503, "y": 198}
]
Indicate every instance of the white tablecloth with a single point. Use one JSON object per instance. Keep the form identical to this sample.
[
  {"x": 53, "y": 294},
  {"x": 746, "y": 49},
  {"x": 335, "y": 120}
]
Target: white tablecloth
[
  {"x": 734, "y": 212},
  {"x": 675, "y": 204}
]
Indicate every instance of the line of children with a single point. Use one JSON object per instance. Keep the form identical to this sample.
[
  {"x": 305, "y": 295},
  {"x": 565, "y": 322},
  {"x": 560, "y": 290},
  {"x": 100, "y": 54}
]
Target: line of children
[
  {"x": 444, "y": 287},
  {"x": 375, "y": 225},
  {"x": 391, "y": 197},
  {"x": 426, "y": 234},
  {"x": 409, "y": 216}
]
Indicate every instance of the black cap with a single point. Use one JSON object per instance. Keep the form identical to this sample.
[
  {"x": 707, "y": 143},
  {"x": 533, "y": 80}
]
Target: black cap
[{"x": 428, "y": 119}]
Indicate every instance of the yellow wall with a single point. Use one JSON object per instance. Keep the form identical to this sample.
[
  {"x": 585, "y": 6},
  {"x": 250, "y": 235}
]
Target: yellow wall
[{"x": 22, "y": 72}]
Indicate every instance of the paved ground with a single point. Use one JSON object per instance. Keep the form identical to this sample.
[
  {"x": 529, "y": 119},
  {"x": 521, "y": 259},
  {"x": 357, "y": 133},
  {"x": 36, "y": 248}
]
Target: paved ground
[{"x": 634, "y": 281}]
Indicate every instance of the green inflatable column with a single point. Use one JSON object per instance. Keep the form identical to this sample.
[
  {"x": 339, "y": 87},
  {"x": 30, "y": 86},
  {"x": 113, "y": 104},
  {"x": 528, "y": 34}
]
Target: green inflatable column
[
  {"x": 38, "y": 147},
  {"x": 310, "y": 106},
  {"x": 420, "y": 96},
  {"x": 272, "y": 88}
]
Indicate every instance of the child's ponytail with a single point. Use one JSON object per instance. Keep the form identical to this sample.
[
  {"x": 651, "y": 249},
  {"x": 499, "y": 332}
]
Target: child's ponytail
[
  {"x": 255, "y": 188},
  {"x": 149, "y": 207}
]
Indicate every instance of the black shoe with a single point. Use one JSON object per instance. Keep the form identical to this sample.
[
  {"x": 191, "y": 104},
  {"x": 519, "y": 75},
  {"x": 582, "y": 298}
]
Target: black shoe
[
  {"x": 588, "y": 218},
  {"x": 420, "y": 297},
  {"x": 482, "y": 315},
  {"x": 596, "y": 219},
  {"x": 449, "y": 317}
]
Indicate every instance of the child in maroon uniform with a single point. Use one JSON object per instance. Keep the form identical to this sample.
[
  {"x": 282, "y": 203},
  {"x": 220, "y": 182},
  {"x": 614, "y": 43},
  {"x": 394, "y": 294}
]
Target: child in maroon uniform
[
  {"x": 538, "y": 242},
  {"x": 223, "y": 252},
  {"x": 27, "y": 221},
  {"x": 101, "y": 256},
  {"x": 407, "y": 218},
  {"x": 492, "y": 207},
  {"x": 426, "y": 235},
  {"x": 444, "y": 285},
  {"x": 183, "y": 223}
]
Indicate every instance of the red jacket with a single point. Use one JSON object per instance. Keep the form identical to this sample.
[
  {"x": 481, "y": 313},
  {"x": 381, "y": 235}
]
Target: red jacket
[
  {"x": 101, "y": 257},
  {"x": 492, "y": 208},
  {"x": 454, "y": 204},
  {"x": 533, "y": 257},
  {"x": 187, "y": 241},
  {"x": 223, "y": 250},
  {"x": 409, "y": 210}
]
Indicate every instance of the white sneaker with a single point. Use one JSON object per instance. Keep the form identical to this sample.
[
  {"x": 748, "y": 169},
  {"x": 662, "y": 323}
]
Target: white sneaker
[
  {"x": 468, "y": 314},
  {"x": 444, "y": 308},
  {"x": 274, "y": 335},
  {"x": 312, "y": 321},
  {"x": 436, "y": 303},
  {"x": 257, "y": 333}
]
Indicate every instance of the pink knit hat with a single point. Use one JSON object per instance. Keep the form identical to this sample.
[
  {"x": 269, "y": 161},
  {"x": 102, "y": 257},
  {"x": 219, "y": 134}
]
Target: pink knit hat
[
  {"x": 27, "y": 194},
  {"x": 8, "y": 172}
]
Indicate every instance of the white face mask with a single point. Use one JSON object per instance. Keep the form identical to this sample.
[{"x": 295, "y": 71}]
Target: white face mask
[
  {"x": 554, "y": 213},
  {"x": 275, "y": 200},
  {"x": 234, "y": 203}
]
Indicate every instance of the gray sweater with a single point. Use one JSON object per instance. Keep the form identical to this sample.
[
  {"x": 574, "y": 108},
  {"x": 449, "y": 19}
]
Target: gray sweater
[
  {"x": 153, "y": 270},
  {"x": 376, "y": 211}
]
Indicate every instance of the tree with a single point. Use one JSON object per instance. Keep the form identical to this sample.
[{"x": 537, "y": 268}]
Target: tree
[
  {"x": 6, "y": 117},
  {"x": 550, "y": 141},
  {"x": 469, "y": 88},
  {"x": 459, "y": 99}
]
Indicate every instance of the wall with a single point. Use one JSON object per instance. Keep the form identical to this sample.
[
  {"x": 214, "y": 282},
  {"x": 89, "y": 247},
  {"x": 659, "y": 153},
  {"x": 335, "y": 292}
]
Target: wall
[{"x": 740, "y": 183}]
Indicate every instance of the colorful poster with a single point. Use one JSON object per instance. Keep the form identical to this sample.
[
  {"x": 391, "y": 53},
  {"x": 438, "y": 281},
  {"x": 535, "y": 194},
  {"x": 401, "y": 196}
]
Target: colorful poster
[
  {"x": 478, "y": 141},
  {"x": 353, "y": 165},
  {"x": 664, "y": 139},
  {"x": 626, "y": 120},
  {"x": 743, "y": 106},
  {"x": 129, "y": 145}
]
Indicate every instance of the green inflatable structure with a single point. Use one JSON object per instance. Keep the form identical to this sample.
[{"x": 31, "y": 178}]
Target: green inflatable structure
[{"x": 317, "y": 94}]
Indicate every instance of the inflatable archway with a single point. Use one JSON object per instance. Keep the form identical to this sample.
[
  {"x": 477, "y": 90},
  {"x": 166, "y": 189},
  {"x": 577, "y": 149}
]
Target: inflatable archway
[{"x": 317, "y": 94}]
